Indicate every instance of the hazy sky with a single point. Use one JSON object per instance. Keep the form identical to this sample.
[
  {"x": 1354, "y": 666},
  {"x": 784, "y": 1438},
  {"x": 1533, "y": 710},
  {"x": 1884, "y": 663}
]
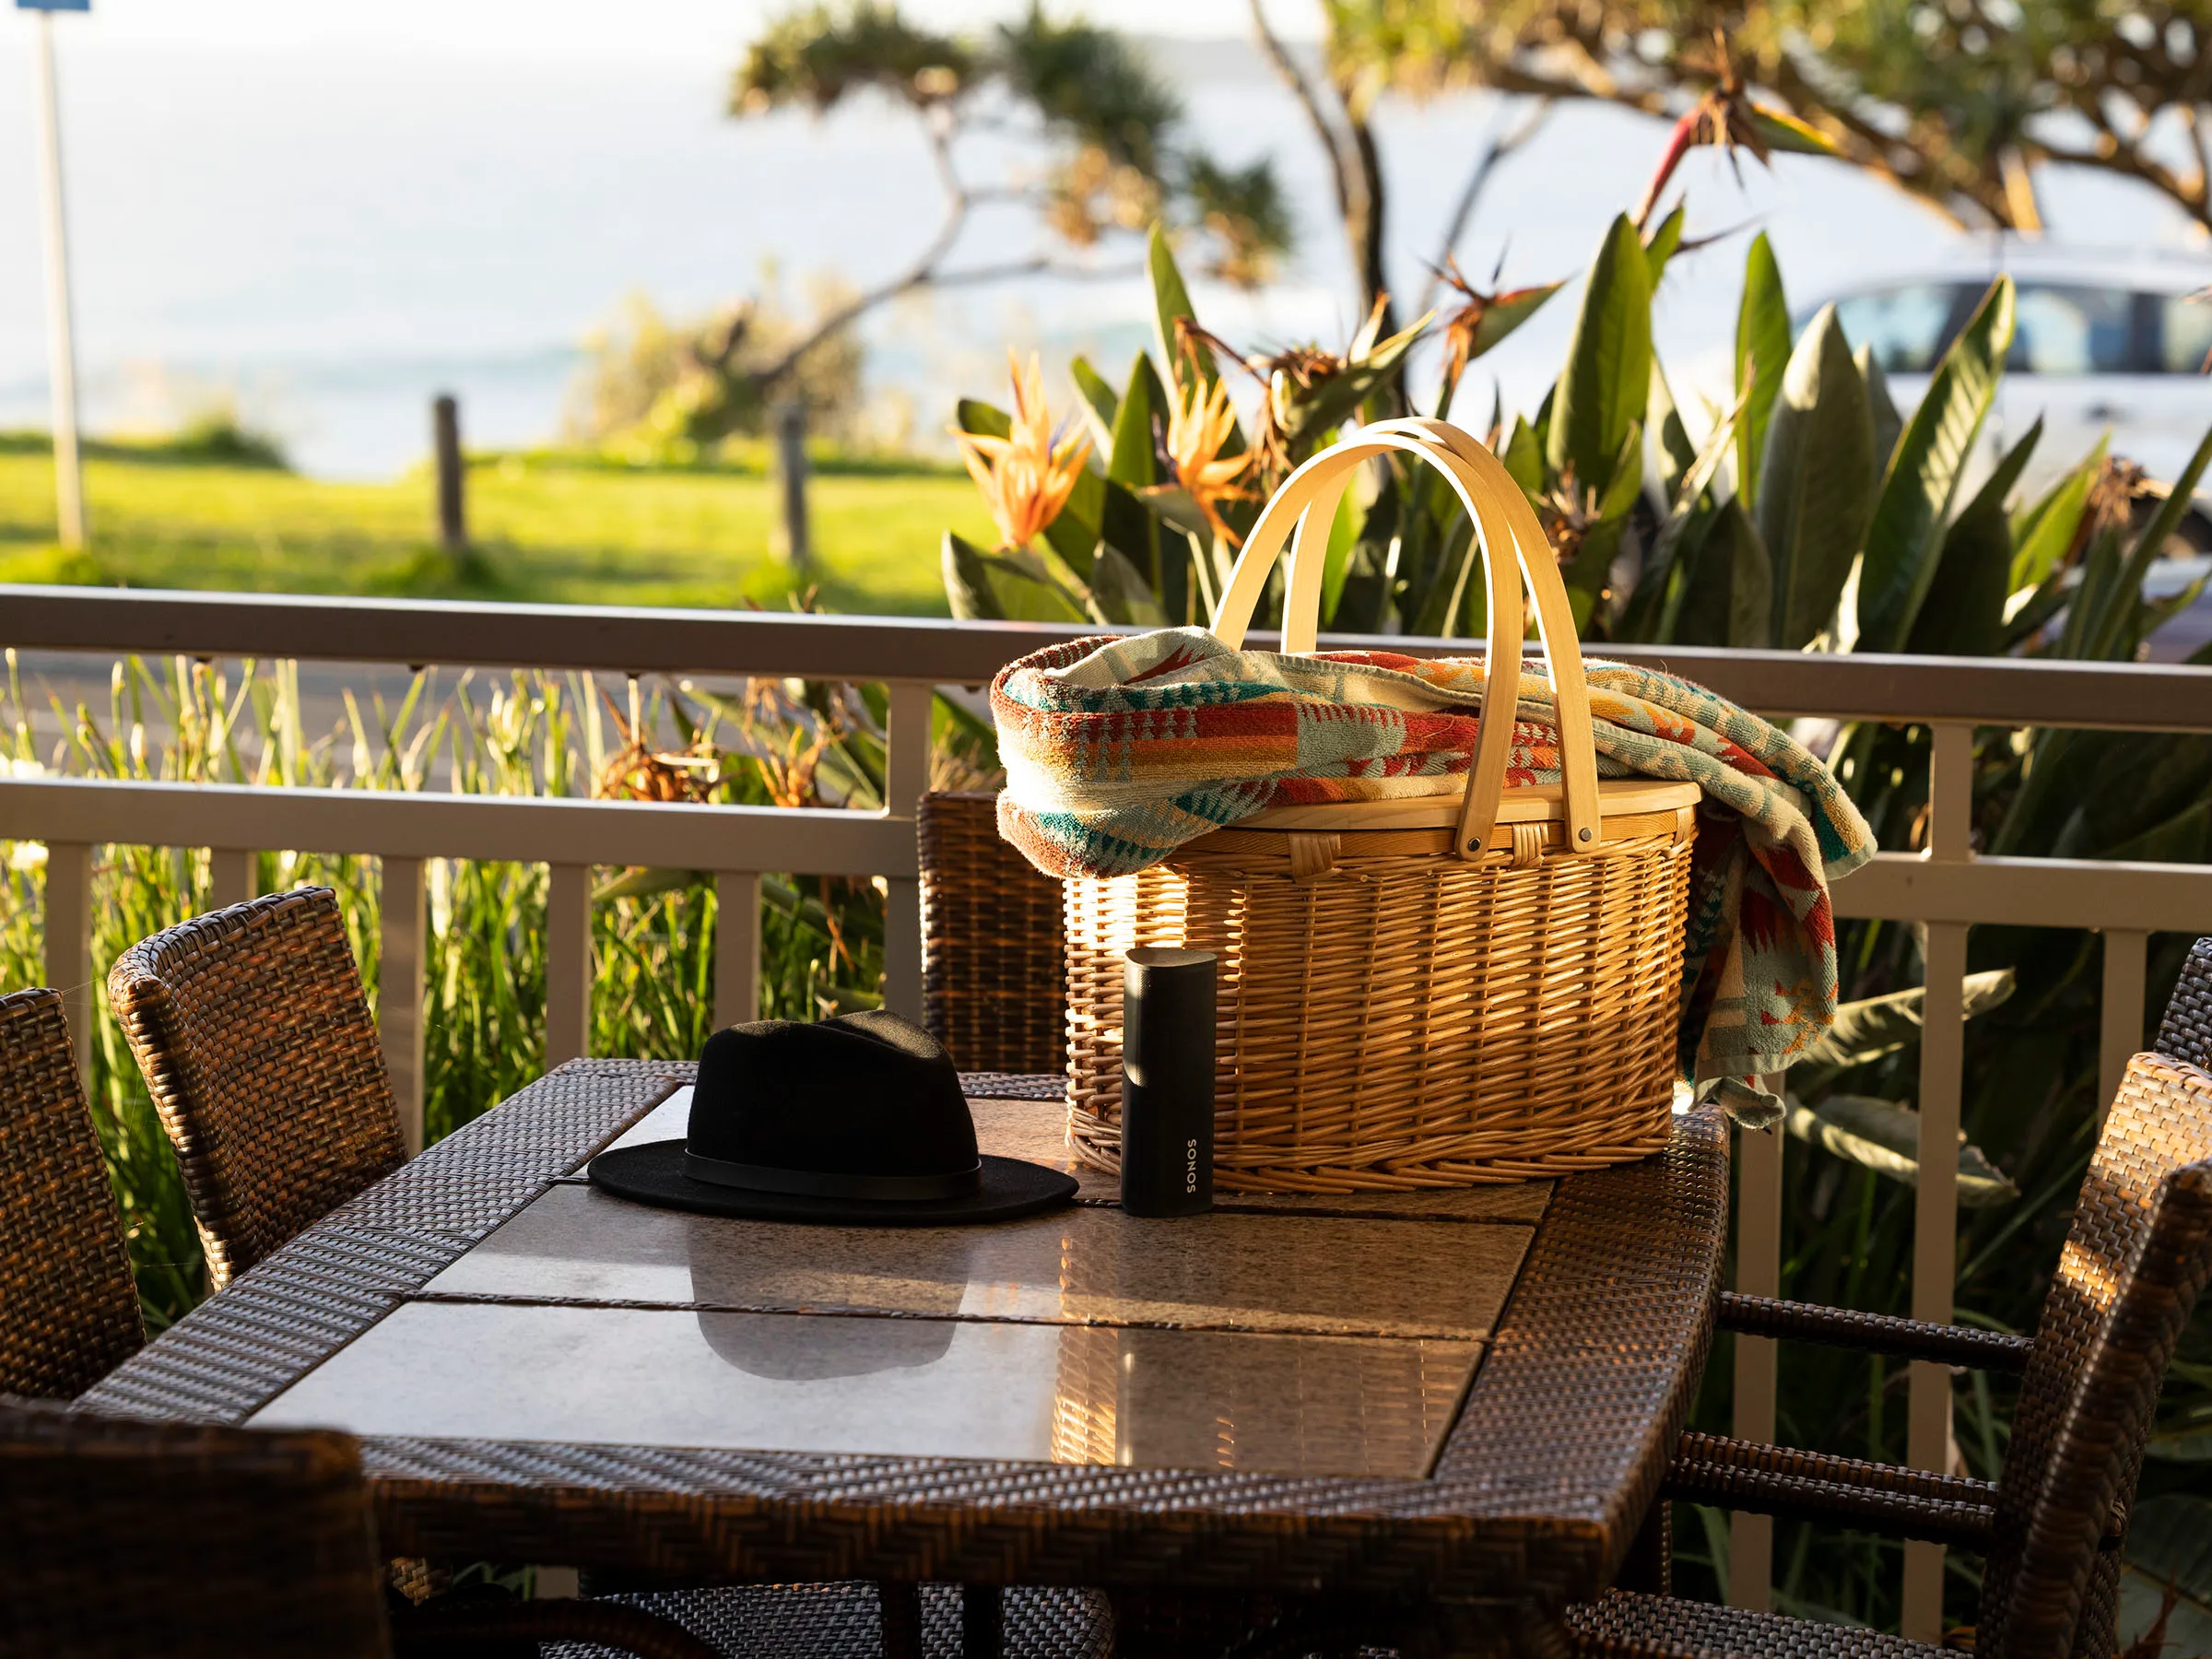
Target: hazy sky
[{"x": 583, "y": 28}]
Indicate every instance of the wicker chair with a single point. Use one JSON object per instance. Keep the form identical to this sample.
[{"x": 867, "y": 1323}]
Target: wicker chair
[
  {"x": 119, "y": 1538},
  {"x": 2186, "y": 1030},
  {"x": 993, "y": 955},
  {"x": 69, "y": 1307},
  {"x": 255, "y": 1040},
  {"x": 2049, "y": 1527}
]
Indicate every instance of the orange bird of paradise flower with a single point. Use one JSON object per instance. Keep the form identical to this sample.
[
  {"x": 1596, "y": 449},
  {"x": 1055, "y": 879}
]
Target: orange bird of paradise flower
[
  {"x": 1027, "y": 476},
  {"x": 1199, "y": 422}
]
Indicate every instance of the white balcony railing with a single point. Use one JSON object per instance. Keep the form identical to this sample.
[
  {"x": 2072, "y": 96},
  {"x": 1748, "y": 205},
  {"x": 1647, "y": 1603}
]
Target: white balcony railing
[{"x": 1946, "y": 889}]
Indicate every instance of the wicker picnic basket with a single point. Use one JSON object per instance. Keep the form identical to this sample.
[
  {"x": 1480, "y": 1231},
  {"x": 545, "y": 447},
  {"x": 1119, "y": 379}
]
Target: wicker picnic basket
[{"x": 1424, "y": 993}]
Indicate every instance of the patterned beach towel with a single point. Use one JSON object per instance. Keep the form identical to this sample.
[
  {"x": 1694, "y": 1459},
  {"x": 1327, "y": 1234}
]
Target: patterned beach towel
[{"x": 1120, "y": 749}]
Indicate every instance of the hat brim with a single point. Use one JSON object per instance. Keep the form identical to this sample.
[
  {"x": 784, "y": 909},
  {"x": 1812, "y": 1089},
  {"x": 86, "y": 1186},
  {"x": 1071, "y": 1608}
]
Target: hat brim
[{"x": 653, "y": 1174}]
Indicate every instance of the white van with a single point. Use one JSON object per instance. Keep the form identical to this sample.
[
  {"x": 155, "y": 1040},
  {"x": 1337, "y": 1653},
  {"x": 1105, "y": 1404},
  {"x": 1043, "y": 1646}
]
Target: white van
[{"x": 2112, "y": 342}]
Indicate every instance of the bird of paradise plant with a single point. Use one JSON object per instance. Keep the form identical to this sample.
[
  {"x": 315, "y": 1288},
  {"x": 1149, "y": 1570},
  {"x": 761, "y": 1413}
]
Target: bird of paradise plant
[
  {"x": 1201, "y": 429},
  {"x": 1025, "y": 474}
]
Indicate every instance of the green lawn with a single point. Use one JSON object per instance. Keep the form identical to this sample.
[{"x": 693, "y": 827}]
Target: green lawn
[{"x": 546, "y": 531}]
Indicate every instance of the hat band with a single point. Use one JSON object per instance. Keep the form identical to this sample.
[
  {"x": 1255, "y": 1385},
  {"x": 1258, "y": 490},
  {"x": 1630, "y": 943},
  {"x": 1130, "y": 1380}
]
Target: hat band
[{"x": 823, "y": 1183}]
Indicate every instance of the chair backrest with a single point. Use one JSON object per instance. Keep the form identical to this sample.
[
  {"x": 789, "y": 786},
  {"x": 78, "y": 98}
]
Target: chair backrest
[
  {"x": 68, "y": 1304},
  {"x": 121, "y": 1538},
  {"x": 2137, "y": 1257},
  {"x": 993, "y": 943},
  {"x": 2186, "y": 1031},
  {"x": 256, "y": 1043}
]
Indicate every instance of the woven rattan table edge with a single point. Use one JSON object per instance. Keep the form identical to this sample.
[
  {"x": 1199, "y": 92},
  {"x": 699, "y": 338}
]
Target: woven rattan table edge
[{"x": 1493, "y": 1518}]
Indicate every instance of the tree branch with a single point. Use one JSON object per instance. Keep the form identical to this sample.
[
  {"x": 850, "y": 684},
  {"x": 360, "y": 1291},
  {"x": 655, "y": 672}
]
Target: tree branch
[
  {"x": 1309, "y": 100},
  {"x": 1365, "y": 224},
  {"x": 920, "y": 273},
  {"x": 1038, "y": 265},
  {"x": 1501, "y": 143}
]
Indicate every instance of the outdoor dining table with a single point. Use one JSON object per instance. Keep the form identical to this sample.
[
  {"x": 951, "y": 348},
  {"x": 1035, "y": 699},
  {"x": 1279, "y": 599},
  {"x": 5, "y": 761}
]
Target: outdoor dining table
[{"x": 1460, "y": 1397}]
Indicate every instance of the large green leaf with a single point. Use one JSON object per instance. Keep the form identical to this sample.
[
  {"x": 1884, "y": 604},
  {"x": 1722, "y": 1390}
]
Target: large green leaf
[
  {"x": 1608, "y": 379},
  {"x": 1751, "y": 578},
  {"x": 1964, "y": 612},
  {"x": 2169, "y": 1554},
  {"x": 1344, "y": 534},
  {"x": 1664, "y": 421},
  {"x": 1667, "y": 585},
  {"x": 1906, "y": 537},
  {"x": 2107, "y": 638},
  {"x": 2132, "y": 794},
  {"x": 1127, "y": 526},
  {"x": 1676, "y": 455},
  {"x": 968, "y": 581},
  {"x": 1505, "y": 313},
  {"x": 1762, "y": 355},
  {"x": 1728, "y": 594},
  {"x": 1874, "y": 1026},
  {"x": 1121, "y": 596},
  {"x": 1134, "y": 460},
  {"x": 1816, "y": 481},
  {"x": 986, "y": 421},
  {"x": 1073, "y": 533},
  {"x": 1660, "y": 247},
  {"x": 2181, "y": 838},
  {"x": 1889, "y": 425},
  {"x": 1101, "y": 402},
  {"x": 1524, "y": 458},
  {"x": 1171, "y": 300},
  {"x": 2045, "y": 534},
  {"x": 1017, "y": 587},
  {"x": 2100, "y": 567},
  {"x": 1884, "y": 1137}
]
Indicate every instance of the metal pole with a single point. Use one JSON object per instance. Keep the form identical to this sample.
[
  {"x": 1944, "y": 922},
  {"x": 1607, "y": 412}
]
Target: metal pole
[{"x": 69, "y": 477}]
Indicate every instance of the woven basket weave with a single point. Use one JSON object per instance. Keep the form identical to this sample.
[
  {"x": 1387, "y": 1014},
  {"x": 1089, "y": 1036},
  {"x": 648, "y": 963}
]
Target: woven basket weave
[
  {"x": 993, "y": 965},
  {"x": 1414, "y": 993}
]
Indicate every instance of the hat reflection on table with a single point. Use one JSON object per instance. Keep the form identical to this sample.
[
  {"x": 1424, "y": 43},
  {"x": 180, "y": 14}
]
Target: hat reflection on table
[{"x": 857, "y": 1121}]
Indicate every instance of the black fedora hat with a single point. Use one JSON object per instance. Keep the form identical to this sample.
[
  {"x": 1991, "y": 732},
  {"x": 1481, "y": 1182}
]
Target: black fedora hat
[{"x": 858, "y": 1120}]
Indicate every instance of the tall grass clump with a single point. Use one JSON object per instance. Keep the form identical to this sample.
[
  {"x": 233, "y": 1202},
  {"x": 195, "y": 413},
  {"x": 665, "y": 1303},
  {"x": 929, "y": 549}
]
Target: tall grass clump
[{"x": 522, "y": 734}]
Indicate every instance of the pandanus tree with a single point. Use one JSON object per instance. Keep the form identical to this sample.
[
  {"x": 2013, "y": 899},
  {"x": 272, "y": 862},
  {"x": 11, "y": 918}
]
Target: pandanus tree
[
  {"x": 1099, "y": 151},
  {"x": 1955, "y": 101}
]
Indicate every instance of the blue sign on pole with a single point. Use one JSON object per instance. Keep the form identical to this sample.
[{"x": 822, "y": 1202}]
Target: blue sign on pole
[{"x": 85, "y": 5}]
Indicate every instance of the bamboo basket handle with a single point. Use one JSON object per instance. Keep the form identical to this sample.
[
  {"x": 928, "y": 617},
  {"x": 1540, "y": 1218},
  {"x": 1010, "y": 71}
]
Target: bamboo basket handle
[{"x": 1300, "y": 515}]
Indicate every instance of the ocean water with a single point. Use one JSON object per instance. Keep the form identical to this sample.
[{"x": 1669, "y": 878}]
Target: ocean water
[{"x": 329, "y": 237}]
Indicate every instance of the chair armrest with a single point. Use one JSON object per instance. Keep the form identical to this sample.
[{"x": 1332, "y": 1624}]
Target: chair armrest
[
  {"x": 1813, "y": 1485},
  {"x": 464, "y": 1632},
  {"x": 1874, "y": 1332}
]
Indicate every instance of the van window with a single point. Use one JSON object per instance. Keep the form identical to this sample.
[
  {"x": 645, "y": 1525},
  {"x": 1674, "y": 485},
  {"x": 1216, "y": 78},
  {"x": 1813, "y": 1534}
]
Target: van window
[
  {"x": 1907, "y": 327},
  {"x": 2073, "y": 331},
  {"x": 2186, "y": 334}
]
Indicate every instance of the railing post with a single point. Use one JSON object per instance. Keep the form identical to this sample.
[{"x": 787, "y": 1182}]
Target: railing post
[
  {"x": 403, "y": 953},
  {"x": 1757, "y": 1273},
  {"x": 736, "y": 947},
  {"x": 2120, "y": 1011},
  {"x": 68, "y": 927},
  {"x": 230, "y": 877},
  {"x": 568, "y": 964},
  {"x": 1928, "y": 1439},
  {"x": 906, "y": 776}
]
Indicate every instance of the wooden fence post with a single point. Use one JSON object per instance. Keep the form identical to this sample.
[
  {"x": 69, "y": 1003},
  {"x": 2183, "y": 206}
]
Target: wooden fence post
[
  {"x": 793, "y": 540},
  {"x": 445, "y": 443}
]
